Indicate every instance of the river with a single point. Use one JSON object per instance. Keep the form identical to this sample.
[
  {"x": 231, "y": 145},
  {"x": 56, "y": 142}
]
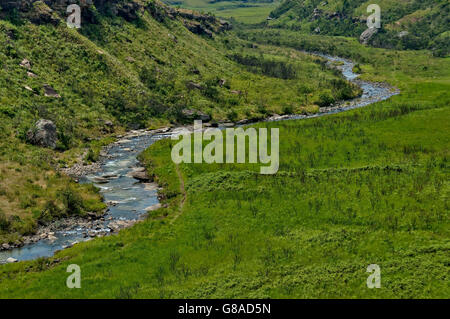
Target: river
[{"x": 128, "y": 200}]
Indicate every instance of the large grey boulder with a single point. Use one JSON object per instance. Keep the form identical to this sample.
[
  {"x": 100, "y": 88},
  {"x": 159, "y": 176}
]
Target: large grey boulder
[
  {"x": 367, "y": 35},
  {"x": 43, "y": 134}
]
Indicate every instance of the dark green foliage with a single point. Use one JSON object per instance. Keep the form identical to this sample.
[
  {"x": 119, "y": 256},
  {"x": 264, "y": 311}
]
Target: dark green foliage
[
  {"x": 427, "y": 22},
  {"x": 277, "y": 69},
  {"x": 4, "y": 223},
  {"x": 73, "y": 203}
]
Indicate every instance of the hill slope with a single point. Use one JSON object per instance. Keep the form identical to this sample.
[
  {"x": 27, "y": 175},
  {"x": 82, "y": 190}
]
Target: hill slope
[
  {"x": 409, "y": 24},
  {"x": 133, "y": 64}
]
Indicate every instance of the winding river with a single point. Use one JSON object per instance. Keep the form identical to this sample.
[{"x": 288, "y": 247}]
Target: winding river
[{"x": 128, "y": 200}]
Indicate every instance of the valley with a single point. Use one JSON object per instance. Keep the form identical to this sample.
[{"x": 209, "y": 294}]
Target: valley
[{"x": 363, "y": 171}]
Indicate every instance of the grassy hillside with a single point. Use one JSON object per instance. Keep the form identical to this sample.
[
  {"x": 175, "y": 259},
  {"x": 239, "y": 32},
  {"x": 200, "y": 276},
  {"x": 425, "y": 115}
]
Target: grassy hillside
[
  {"x": 426, "y": 23},
  {"x": 357, "y": 188},
  {"x": 127, "y": 67},
  {"x": 241, "y": 11}
]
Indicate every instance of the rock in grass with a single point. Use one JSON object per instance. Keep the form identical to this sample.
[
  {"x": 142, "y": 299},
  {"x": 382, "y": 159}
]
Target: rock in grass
[
  {"x": 192, "y": 86},
  {"x": 43, "y": 134},
  {"x": 50, "y": 92},
  {"x": 367, "y": 35},
  {"x": 195, "y": 115},
  {"x": 26, "y": 64}
]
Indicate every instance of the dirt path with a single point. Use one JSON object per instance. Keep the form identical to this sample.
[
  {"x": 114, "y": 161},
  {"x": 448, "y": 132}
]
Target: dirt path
[{"x": 183, "y": 192}]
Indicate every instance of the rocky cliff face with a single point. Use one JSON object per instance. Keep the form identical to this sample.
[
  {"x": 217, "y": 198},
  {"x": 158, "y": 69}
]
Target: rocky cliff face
[{"x": 53, "y": 11}]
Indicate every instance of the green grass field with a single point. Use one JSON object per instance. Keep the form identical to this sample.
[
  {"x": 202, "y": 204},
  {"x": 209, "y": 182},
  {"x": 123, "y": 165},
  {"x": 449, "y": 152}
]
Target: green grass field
[{"x": 368, "y": 186}]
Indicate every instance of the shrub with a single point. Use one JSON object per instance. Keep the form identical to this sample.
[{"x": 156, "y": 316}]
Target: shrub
[
  {"x": 4, "y": 223},
  {"x": 73, "y": 202},
  {"x": 325, "y": 99}
]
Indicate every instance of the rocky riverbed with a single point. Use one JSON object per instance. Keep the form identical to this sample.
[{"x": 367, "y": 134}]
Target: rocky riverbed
[{"x": 130, "y": 193}]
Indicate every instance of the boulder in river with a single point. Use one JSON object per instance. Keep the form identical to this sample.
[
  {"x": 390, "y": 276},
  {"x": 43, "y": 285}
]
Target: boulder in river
[
  {"x": 43, "y": 134},
  {"x": 100, "y": 180},
  {"x": 141, "y": 176}
]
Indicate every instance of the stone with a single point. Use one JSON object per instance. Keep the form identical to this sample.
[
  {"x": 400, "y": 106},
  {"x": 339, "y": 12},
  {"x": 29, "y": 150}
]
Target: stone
[
  {"x": 153, "y": 207},
  {"x": 43, "y": 134},
  {"x": 141, "y": 176},
  {"x": 174, "y": 38},
  {"x": 100, "y": 180},
  {"x": 192, "y": 86},
  {"x": 26, "y": 64},
  {"x": 5, "y": 246},
  {"x": 93, "y": 215},
  {"x": 195, "y": 115},
  {"x": 367, "y": 35},
  {"x": 243, "y": 121},
  {"x": 197, "y": 28},
  {"x": 50, "y": 92},
  {"x": 108, "y": 126},
  {"x": 402, "y": 34},
  {"x": 228, "y": 124}
]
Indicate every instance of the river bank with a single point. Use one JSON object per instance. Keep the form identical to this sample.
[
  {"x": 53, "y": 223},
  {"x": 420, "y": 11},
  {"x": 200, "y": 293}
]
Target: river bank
[{"x": 129, "y": 199}]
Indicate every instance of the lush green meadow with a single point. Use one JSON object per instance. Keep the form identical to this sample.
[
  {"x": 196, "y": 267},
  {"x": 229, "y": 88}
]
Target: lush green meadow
[{"x": 367, "y": 186}]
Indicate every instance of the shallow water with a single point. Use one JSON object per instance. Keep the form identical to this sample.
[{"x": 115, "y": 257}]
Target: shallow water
[{"x": 128, "y": 199}]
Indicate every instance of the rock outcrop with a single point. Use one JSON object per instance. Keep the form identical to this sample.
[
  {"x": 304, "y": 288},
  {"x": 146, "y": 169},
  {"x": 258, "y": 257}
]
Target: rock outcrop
[
  {"x": 367, "y": 35},
  {"x": 43, "y": 134},
  {"x": 54, "y": 11},
  {"x": 195, "y": 115},
  {"x": 50, "y": 92}
]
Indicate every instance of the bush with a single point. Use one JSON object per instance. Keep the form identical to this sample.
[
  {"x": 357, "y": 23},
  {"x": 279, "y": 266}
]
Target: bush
[
  {"x": 73, "y": 202},
  {"x": 325, "y": 99},
  {"x": 4, "y": 223}
]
